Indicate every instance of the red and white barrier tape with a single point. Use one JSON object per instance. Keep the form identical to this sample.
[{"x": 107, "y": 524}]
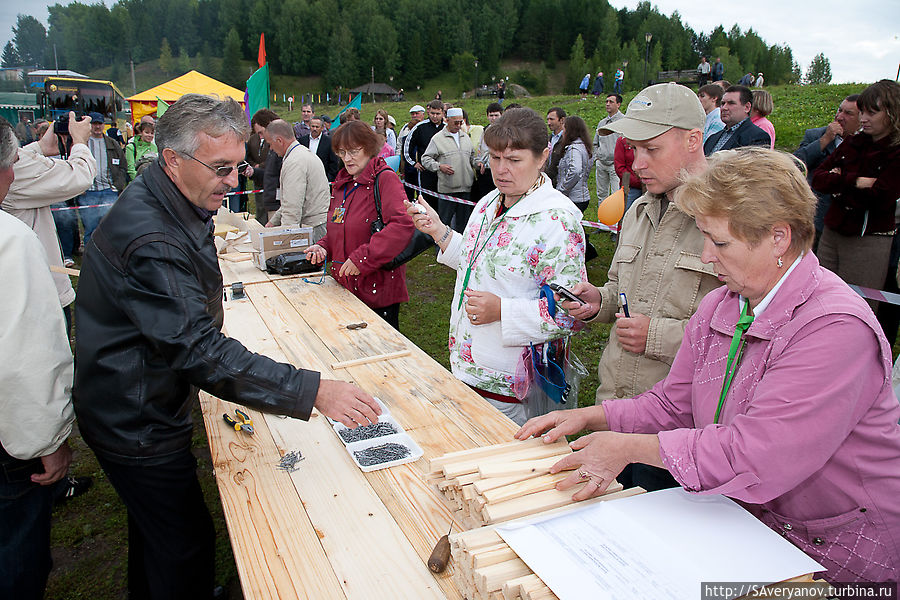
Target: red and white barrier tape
[
  {"x": 244, "y": 193},
  {"x": 79, "y": 207},
  {"x": 595, "y": 224}
]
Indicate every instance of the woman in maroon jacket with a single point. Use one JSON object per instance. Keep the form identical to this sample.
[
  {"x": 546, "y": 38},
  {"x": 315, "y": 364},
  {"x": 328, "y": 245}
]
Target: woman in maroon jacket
[
  {"x": 864, "y": 176},
  {"x": 356, "y": 254}
]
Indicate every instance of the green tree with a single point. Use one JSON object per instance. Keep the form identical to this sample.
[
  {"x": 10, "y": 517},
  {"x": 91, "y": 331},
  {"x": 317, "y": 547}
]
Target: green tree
[
  {"x": 415, "y": 66},
  {"x": 184, "y": 61},
  {"x": 165, "y": 57},
  {"x": 577, "y": 66},
  {"x": 205, "y": 61},
  {"x": 733, "y": 69},
  {"x": 231, "y": 58},
  {"x": 606, "y": 55},
  {"x": 31, "y": 40},
  {"x": 10, "y": 57},
  {"x": 464, "y": 66},
  {"x": 342, "y": 70},
  {"x": 819, "y": 70}
]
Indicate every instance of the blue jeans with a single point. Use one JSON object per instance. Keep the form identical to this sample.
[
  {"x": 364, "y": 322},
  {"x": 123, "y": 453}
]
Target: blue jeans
[
  {"x": 25, "y": 522},
  {"x": 633, "y": 194},
  {"x": 66, "y": 228},
  {"x": 90, "y": 217}
]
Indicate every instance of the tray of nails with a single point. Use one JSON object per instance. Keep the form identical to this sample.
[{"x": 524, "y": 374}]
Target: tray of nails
[{"x": 379, "y": 445}]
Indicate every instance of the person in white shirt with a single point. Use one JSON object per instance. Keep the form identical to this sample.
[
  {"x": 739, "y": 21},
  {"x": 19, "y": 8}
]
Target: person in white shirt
[{"x": 36, "y": 369}]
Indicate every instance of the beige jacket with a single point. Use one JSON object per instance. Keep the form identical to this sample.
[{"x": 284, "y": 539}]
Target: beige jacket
[
  {"x": 605, "y": 145},
  {"x": 42, "y": 181},
  {"x": 442, "y": 149},
  {"x": 657, "y": 264},
  {"x": 302, "y": 188},
  {"x": 36, "y": 378}
]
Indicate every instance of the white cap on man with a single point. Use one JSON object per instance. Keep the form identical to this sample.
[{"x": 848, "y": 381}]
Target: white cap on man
[
  {"x": 454, "y": 112},
  {"x": 417, "y": 108}
]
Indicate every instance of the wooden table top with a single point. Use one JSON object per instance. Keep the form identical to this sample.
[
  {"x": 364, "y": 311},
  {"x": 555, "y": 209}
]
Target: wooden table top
[{"x": 329, "y": 530}]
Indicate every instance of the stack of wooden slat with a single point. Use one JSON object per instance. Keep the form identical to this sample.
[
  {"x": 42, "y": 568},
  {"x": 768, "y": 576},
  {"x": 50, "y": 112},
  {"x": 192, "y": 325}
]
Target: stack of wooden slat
[
  {"x": 486, "y": 568},
  {"x": 497, "y": 483}
]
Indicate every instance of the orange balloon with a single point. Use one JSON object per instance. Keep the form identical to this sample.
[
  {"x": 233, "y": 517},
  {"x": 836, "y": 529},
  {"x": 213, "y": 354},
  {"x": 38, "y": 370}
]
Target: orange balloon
[{"x": 611, "y": 209}]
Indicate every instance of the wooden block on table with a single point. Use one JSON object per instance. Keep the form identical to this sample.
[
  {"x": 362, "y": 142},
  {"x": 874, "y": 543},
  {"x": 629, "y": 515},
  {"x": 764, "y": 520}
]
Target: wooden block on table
[
  {"x": 438, "y": 463},
  {"x": 491, "y": 578},
  {"x": 519, "y": 467},
  {"x": 523, "y": 488},
  {"x": 530, "y": 453}
]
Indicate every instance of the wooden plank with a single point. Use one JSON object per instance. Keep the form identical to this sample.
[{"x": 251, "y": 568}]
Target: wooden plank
[
  {"x": 519, "y": 467},
  {"x": 369, "y": 359},
  {"x": 65, "y": 270},
  {"x": 349, "y": 518},
  {"x": 437, "y": 464},
  {"x": 418, "y": 377},
  {"x": 522, "y": 488},
  {"x": 527, "y": 455},
  {"x": 277, "y": 551},
  {"x": 533, "y": 503}
]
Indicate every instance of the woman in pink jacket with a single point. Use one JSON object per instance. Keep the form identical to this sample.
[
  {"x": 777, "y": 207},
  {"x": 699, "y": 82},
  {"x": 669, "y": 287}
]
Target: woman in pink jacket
[
  {"x": 356, "y": 254},
  {"x": 780, "y": 396}
]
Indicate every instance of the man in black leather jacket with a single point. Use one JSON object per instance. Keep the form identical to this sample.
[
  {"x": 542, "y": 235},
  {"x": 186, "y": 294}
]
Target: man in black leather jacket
[{"x": 149, "y": 313}]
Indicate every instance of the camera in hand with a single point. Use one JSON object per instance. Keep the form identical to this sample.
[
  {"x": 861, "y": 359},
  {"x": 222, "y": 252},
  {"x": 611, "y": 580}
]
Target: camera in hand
[{"x": 61, "y": 127}]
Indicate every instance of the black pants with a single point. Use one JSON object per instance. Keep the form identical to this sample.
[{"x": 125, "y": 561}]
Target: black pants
[
  {"x": 171, "y": 538},
  {"x": 25, "y": 507},
  {"x": 454, "y": 214},
  {"x": 391, "y": 314}
]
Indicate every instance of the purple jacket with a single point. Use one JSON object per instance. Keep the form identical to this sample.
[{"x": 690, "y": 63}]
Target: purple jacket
[{"x": 808, "y": 438}]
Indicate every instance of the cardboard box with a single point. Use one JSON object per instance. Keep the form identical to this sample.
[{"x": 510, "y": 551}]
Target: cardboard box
[{"x": 273, "y": 241}]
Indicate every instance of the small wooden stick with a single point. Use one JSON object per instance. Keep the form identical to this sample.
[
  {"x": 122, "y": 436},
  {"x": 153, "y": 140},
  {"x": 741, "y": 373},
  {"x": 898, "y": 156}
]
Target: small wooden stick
[
  {"x": 438, "y": 463},
  {"x": 65, "y": 270},
  {"x": 369, "y": 359},
  {"x": 519, "y": 467},
  {"x": 523, "y": 488}
]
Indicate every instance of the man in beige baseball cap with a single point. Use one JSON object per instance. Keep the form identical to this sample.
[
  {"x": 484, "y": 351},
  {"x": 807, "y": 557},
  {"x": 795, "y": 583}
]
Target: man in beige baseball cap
[{"x": 657, "y": 262}]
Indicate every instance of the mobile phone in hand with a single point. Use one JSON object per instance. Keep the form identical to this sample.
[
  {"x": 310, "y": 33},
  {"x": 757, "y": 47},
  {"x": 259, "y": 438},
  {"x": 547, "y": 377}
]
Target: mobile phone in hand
[{"x": 565, "y": 293}]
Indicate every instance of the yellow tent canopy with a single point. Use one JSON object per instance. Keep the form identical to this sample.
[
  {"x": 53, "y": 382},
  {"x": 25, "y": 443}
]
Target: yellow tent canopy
[{"x": 144, "y": 103}]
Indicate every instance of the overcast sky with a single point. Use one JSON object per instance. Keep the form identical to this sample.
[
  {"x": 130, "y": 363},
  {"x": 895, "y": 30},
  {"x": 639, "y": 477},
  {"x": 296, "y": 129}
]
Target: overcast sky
[{"x": 861, "y": 39}]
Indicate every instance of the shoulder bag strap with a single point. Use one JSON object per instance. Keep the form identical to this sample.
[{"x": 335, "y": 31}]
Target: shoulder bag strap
[{"x": 377, "y": 197}]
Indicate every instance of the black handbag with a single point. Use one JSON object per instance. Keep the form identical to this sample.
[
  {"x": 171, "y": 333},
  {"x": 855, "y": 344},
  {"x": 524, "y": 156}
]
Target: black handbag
[{"x": 419, "y": 243}]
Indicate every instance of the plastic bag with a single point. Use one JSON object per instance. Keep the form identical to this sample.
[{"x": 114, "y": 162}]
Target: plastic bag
[{"x": 548, "y": 378}]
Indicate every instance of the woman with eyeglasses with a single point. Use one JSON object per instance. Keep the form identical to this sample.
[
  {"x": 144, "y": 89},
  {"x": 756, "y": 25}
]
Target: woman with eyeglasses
[
  {"x": 780, "y": 394},
  {"x": 519, "y": 239},
  {"x": 357, "y": 252}
]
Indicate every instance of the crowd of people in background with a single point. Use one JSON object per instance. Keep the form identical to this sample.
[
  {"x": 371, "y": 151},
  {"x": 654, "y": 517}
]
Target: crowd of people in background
[{"x": 715, "y": 223}]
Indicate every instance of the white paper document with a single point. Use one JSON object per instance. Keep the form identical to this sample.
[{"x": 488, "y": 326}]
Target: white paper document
[{"x": 656, "y": 545}]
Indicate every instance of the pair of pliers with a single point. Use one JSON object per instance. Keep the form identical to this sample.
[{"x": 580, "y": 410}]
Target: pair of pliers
[{"x": 245, "y": 424}]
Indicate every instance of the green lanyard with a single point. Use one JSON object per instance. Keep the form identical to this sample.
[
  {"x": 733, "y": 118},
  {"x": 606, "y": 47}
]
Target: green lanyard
[
  {"x": 734, "y": 354},
  {"x": 465, "y": 283},
  {"x": 501, "y": 198}
]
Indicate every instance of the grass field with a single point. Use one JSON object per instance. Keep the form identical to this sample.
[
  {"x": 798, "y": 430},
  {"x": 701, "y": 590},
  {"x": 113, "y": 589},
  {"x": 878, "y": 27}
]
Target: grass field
[{"x": 89, "y": 533}]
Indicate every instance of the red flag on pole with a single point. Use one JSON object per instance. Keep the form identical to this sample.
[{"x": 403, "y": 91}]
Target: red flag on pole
[{"x": 262, "y": 50}]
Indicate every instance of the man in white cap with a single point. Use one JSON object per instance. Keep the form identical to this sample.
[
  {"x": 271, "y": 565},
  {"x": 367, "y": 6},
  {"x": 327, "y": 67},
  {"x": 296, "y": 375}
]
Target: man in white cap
[
  {"x": 657, "y": 262},
  {"x": 451, "y": 155},
  {"x": 416, "y": 116}
]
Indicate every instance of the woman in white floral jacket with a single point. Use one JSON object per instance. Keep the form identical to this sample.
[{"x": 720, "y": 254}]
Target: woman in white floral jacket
[{"x": 520, "y": 237}]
